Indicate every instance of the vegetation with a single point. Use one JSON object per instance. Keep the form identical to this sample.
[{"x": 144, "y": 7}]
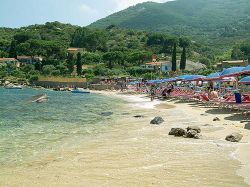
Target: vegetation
[{"x": 213, "y": 23}]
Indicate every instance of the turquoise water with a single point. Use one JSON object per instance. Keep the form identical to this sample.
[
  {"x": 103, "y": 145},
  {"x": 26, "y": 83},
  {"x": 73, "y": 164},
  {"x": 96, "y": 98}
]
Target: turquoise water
[{"x": 30, "y": 130}]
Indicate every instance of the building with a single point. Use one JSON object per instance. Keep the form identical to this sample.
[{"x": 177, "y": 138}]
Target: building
[
  {"x": 74, "y": 51},
  {"x": 234, "y": 63},
  {"x": 24, "y": 60},
  {"x": 162, "y": 66},
  {"x": 9, "y": 61}
]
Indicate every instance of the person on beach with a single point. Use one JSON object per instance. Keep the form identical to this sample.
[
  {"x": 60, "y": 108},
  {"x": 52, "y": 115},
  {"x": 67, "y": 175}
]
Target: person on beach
[{"x": 152, "y": 92}]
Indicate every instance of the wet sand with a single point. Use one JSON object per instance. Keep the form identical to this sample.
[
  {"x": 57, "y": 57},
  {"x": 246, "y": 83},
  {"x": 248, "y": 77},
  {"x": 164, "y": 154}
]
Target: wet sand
[{"x": 135, "y": 153}]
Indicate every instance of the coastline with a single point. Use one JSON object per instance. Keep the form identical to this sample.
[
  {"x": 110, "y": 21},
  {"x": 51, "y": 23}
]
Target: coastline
[
  {"x": 133, "y": 152},
  {"x": 222, "y": 128}
]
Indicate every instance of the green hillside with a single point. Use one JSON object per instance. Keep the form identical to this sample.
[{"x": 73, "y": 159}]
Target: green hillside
[{"x": 223, "y": 22}]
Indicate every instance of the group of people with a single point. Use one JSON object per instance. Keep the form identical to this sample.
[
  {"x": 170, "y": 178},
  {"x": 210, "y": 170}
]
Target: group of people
[{"x": 164, "y": 91}]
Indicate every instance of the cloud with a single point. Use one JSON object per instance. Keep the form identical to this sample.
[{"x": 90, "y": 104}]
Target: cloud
[
  {"x": 123, "y": 4},
  {"x": 87, "y": 9}
]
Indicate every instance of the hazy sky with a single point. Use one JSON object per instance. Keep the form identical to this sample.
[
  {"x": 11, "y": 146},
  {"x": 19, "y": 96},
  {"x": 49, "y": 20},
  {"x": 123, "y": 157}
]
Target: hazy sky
[{"x": 17, "y": 13}]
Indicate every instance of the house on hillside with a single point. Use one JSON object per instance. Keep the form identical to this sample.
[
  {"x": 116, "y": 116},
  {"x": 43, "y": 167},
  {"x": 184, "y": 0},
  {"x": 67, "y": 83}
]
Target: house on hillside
[
  {"x": 24, "y": 60},
  {"x": 233, "y": 63},
  {"x": 9, "y": 61},
  {"x": 162, "y": 66},
  {"x": 74, "y": 51},
  {"x": 166, "y": 66}
]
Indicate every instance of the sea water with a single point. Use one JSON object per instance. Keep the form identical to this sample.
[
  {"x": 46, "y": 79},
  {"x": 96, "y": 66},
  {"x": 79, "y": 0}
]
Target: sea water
[{"x": 29, "y": 130}]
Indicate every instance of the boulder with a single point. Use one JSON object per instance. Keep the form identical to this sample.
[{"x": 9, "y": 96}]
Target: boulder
[
  {"x": 157, "y": 121},
  {"x": 247, "y": 126},
  {"x": 216, "y": 119},
  {"x": 234, "y": 137},
  {"x": 192, "y": 134},
  {"x": 177, "y": 132},
  {"x": 195, "y": 128}
]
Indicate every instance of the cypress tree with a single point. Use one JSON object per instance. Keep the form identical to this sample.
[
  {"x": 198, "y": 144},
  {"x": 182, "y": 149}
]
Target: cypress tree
[
  {"x": 13, "y": 52},
  {"x": 70, "y": 63},
  {"x": 79, "y": 63},
  {"x": 174, "y": 58},
  {"x": 183, "y": 59}
]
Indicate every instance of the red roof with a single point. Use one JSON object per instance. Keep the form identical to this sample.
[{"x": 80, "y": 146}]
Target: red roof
[{"x": 154, "y": 63}]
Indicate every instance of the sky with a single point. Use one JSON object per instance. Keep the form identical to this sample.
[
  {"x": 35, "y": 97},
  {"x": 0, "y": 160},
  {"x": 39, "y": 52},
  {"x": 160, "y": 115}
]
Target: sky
[{"x": 18, "y": 13}]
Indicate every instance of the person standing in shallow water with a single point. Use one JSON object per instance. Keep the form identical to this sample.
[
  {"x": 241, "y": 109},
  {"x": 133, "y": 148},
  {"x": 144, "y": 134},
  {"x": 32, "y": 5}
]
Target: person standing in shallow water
[{"x": 152, "y": 92}]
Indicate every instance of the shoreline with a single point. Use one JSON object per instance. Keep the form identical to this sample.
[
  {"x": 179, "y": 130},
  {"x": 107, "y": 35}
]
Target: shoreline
[
  {"x": 133, "y": 148},
  {"x": 241, "y": 149}
]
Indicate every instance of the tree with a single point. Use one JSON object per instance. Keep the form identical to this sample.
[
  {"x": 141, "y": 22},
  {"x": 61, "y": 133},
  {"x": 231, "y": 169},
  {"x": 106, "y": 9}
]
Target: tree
[
  {"x": 79, "y": 64},
  {"x": 184, "y": 43},
  {"x": 48, "y": 69},
  {"x": 13, "y": 52},
  {"x": 174, "y": 57},
  {"x": 70, "y": 63}
]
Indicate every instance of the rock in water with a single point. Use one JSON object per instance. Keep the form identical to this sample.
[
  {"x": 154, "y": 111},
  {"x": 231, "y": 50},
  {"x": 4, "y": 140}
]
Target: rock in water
[
  {"x": 138, "y": 116},
  {"x": 157, "y": 121},
  {"x": 177, "y": 132},
  {"x": 106, "y": 113},
  {"x": 191, "y": 134},
  {"x": 234, "y": 137},
  {"x": 195, "y": 128},
  {"x": 216, "y": 119},
  {"x": 247, "y": 126}
]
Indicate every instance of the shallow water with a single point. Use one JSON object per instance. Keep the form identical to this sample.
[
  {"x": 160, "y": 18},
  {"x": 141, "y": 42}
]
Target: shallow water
[
  {"x": 117, "y": 150},
  {"x": 33, "y": 129}
]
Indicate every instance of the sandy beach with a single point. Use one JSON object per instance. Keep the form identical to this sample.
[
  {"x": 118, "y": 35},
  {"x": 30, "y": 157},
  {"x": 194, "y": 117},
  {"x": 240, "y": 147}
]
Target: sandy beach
[{"x": 135, "y": 153}]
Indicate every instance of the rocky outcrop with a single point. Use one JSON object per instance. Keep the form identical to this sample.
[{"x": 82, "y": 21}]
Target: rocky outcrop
[
  {"x": 234, "y": 137},
  {"x": 157, "y": 121},
  {"x": 177, "y": 132}
]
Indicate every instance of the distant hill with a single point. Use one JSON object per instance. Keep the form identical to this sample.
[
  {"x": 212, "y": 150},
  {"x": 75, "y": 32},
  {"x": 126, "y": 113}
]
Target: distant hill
[{"x": 211, "y": 21}]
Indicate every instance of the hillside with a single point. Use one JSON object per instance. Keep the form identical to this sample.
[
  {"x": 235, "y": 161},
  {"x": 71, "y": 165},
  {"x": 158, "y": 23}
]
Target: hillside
[{"x": 221, "y": 22}]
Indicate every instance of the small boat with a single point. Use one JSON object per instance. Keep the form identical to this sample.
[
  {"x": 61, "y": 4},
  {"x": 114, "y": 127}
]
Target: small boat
[
  {"x": 80, "y": 90},
  {"x": 12, "y": 86},
  {"x": 40, "y": 98}
]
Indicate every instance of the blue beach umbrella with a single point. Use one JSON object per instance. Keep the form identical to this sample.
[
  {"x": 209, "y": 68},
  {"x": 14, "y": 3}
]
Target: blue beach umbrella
[
  {"x": 245, "y": 80},
  {"x": 213, "y": 76},
  {"x": 229, "y": 72},
  {"x": 246, "y": 70},
  {"x": 190, "y": 77},
  {"x": 133, "y": 83}
]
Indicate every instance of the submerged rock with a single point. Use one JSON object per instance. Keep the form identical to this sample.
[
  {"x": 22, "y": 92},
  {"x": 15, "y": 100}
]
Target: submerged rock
[
  {"x": 216, "y": 119},
  {"x": 177, "y": 132},
  {"x": 138, "y": 116},
  {"x": 234, "y": 137},
  {"x": 157, "y": 121},
  {"x": 195, "y": 128},
  {"x": 247, "y": 126},
  {"x": 106, "y": 113}
]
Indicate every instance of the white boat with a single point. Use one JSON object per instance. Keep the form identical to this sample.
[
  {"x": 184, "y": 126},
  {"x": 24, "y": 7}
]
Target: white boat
[
  {"x": 40, "y": 98},
  {"x": 80, "y": 90},
  {"x": 12, "y": 86}
]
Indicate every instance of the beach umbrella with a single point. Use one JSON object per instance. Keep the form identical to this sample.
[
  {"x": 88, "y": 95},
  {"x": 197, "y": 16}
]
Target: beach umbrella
[
  {"x": 213, "y": 76},
  {"x": 245, "y": 80},
  {"x": 133, "y": 83},
  {"x": 246, "y": 70},
  {"x": 229, "y": 72},
  {"x": 190, "y": 77},
  {"x": 169, "y": 80}
]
